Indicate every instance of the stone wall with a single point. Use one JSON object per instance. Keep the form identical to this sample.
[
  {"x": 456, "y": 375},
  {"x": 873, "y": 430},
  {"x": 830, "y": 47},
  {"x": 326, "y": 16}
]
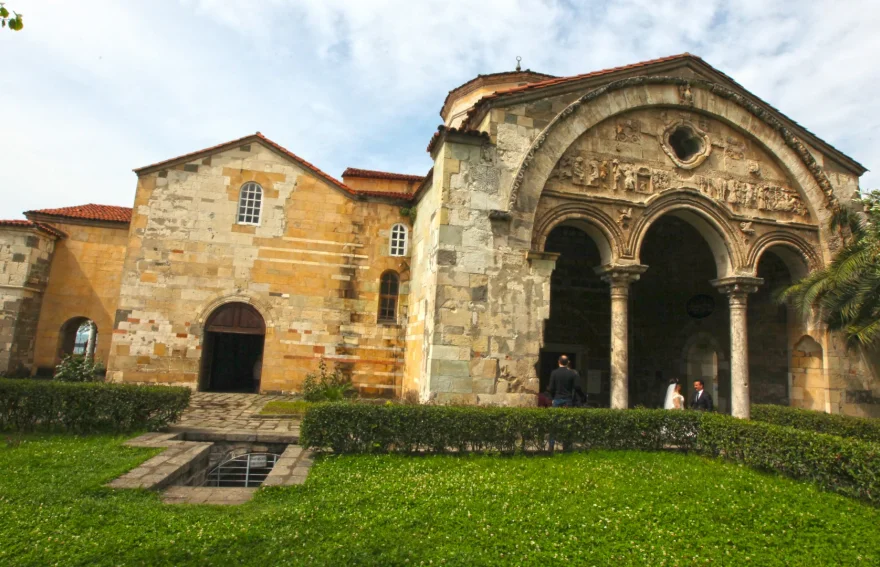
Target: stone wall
[
  {"x": 311, "y": 268},
  {"x": 25, "y": 256},
  {"x": 83, "y": 282},
  {"x": 423, "y": 286},
  {"x": 749, "y": 189}
]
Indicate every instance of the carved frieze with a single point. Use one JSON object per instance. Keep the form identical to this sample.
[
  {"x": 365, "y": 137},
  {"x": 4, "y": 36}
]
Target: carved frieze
[{"x": 619, "y": 178}]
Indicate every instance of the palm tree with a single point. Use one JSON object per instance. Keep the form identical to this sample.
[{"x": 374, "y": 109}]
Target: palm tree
[{"x": 846, "y": 293}]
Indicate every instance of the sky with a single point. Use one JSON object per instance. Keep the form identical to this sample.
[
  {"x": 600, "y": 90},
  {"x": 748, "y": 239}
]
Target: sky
[{"x": 92, "y": 89}]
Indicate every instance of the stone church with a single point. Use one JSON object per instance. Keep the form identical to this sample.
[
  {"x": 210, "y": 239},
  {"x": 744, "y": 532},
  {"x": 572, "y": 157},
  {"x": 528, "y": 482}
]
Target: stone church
[{"x": 639, "y": 219}]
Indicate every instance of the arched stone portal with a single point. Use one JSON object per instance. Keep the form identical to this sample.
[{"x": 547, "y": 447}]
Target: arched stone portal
[
  {"x": 604, "y": 161},
  {"x": 232, "y": 351},
  {"x": 673, "y": 300}
]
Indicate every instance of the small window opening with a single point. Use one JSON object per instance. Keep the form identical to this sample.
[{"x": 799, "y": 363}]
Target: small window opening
[
  {"x": 685, "y": 143},
  {"x": 250, "y": 202},
  {"x": 388, "y": 291},
  {"x": 398, "y": 240}
]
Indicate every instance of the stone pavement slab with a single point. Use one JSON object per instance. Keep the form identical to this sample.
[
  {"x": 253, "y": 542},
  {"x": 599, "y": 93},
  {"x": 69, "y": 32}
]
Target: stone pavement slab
[{"x": 237, "y": 413}]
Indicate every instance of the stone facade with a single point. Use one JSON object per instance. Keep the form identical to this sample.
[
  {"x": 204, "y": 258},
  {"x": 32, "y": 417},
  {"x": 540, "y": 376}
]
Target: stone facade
[
  {"x": 25, "y": 256},
  {"x": 83, "y": 283},
  {"x": 311, "y": 268},
  {"x": 638, "y": 218}
]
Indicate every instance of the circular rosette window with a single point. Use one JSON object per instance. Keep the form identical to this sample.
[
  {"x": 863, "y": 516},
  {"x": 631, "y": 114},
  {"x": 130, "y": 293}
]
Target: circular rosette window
[{"x": 685, "y": 144}]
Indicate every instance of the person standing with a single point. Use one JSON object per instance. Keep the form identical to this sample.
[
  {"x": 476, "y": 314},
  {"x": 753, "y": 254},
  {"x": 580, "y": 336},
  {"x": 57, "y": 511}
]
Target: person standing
[
  {"x": 565, "y": 385},
  {"x": 702, "y": 399},
  {"x": 674, "y": 399}
]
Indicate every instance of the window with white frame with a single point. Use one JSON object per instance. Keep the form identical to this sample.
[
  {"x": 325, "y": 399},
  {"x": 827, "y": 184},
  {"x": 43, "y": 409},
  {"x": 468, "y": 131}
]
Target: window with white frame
[
  {"x": 398, "y": 240},
  {"x": 250, "y": 203}
]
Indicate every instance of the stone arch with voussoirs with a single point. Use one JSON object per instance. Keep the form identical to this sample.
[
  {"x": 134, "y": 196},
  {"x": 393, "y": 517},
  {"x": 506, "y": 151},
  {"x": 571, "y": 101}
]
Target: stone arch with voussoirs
[
  {"x": 714, "y": 101},
  {"x": 737, "y": 245}
]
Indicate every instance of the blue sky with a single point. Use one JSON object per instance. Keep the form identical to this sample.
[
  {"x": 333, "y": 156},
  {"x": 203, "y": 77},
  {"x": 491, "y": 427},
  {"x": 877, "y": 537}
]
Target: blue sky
[{"x": 91, "y": 89}]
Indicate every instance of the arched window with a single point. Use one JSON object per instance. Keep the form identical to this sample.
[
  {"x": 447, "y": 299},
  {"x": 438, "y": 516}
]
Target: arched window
[
  {"x": 250, "y": 202},
  {"x": 398, "y": 240},
  {"x": 389, "y": 287}
]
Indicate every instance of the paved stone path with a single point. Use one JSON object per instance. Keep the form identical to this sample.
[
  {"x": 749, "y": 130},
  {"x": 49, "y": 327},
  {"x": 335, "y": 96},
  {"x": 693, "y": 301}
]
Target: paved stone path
[{"x": 234, "y": 413}]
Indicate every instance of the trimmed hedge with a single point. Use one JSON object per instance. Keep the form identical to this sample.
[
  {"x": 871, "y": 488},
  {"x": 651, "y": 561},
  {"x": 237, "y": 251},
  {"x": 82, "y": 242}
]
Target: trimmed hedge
[
  {"x": 842, "y": 465},
  {"x": 81, "y": 407},
  {"x": 863, "y": 428},
  {"x": 357, "y": 428}
]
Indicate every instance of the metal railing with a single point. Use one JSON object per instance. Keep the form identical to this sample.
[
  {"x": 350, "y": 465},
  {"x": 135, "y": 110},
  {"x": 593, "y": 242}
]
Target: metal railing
[{"x": 244, "y": 471}]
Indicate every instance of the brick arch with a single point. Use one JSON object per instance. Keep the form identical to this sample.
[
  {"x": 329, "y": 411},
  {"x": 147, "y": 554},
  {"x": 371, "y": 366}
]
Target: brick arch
[
  {"x": 595, "y": 222},
  {"x": 707, "y": 98},
  {"x": 706, "y": 216}
]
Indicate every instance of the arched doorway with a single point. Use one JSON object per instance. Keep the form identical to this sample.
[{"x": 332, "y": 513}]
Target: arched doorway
[
  {"x": 773, "y": 328},
  {"x": 232, "y": 349},
  {"x": 673, "y": 301},
  {"x": 78, "y": 336},
  {"x": 580, "y": 313}
]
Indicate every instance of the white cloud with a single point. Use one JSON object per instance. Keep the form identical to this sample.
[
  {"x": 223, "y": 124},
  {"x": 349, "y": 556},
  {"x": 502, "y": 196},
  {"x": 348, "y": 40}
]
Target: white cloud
[{"x": 94, "y": 88}]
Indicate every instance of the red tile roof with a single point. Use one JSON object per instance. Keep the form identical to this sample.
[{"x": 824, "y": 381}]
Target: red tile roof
[
  {"x": 370, "y": 174},
  {"x": 258, "y": 137},
  {"x": 31, "y": 224},
  {"x": 562, "y": 80},
  {"x": 466, "y": 124},
  {"x": 108, "y": 213},
  {"x": 526, "y": 75}
]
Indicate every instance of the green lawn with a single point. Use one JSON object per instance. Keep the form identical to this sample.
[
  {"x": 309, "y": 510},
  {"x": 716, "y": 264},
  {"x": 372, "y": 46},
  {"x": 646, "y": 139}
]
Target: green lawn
[
  {"x": 598, "y": 508},
  {"x": 295, "y": 408}
]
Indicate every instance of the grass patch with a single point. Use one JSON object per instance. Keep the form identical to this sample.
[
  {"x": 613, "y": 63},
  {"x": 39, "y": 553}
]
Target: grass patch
[
  {"x": 296, "y": 408},
  {"x": 601, "y": 507}
]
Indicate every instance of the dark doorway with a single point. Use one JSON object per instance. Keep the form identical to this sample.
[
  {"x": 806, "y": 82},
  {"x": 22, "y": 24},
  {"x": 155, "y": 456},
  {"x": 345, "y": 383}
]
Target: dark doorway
[
  {"x": 580, "y": 313},
  {"x": 232, "y": 353},
  {"x": 768, "y": 334},
  {"x": 673, "y": 302}
]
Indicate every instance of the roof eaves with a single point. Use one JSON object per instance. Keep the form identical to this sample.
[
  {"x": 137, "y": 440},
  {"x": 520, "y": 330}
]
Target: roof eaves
[
  {"x": 445, "y": 131},
  {"x": 371, "y": 174}
]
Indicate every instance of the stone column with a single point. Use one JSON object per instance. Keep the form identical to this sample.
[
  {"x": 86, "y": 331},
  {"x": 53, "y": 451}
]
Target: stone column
[
  {"x": 620, "y": 278},
  {"x": 91, "y": 344},
  {"x": 737, "y": 290}
]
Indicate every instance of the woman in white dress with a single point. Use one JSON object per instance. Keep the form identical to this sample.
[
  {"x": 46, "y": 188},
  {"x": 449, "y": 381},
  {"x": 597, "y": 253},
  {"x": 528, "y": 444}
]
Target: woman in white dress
[{"x": 674, "y": 399}]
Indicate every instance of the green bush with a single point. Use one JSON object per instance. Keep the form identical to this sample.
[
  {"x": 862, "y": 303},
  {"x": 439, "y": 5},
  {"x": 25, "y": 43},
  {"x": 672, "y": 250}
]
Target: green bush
[
  {"x": 843, "y": 465},
  {"x": 77, "y": 368},
  {"x": 88, "y": 406},
  {"x": 358, "y": 428},
  {"x": 327, "y": 386},
  {"x": 863, "y": 428}
]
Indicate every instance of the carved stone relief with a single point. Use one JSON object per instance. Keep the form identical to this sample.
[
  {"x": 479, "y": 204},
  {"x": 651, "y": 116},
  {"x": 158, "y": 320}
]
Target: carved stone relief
[
  {"x": 629, "y": 131},
  {"x": 740, "y": 177}
]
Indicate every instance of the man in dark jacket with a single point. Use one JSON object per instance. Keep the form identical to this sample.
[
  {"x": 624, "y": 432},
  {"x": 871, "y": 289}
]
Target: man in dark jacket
[
  {"x": 565, "y": 385},
  {"x": 702, "y": 400}
]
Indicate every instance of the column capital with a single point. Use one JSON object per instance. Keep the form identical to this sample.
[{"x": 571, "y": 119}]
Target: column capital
[
  {"x": 621, "y": 275},
  {"x": 737, "y": 286}
]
